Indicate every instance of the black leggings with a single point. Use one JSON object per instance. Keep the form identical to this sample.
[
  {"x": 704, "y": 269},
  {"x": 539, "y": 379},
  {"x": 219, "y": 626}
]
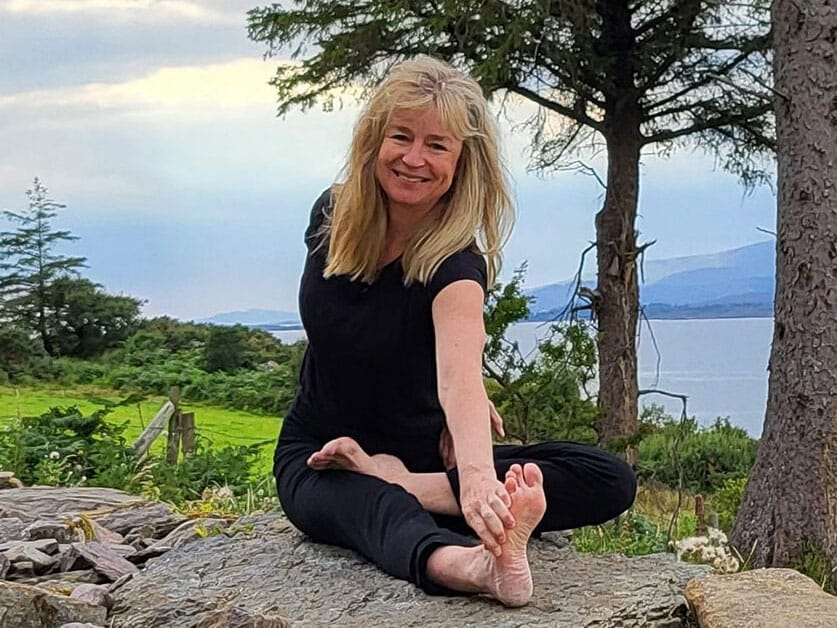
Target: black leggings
[{"x": 584, "y": 485}]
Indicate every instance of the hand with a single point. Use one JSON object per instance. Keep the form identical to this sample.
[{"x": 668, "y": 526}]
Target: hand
[
  {"x": 485, "y": 504},
  {"x": 446, "y": 451}
]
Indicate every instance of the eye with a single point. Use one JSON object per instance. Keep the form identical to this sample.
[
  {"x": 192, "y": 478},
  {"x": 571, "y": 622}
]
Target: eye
[
  {"x": 438, "y": 146},
  {"x": 399, "y": 137}
]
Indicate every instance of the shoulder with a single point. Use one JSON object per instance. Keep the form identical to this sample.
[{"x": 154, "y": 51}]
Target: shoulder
[
  {"x": 465, "y": 264},
  {"x": 319, "y": 212}
]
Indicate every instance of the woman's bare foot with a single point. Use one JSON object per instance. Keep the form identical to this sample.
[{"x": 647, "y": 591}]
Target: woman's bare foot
[
  {"x": 511, "y": 578},
  {"x": 507, "y": 577},
  {"x": 345, "y": 453}
]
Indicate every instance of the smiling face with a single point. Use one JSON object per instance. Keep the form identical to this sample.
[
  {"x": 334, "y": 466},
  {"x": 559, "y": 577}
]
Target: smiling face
[{"x": 417, "y": 160}]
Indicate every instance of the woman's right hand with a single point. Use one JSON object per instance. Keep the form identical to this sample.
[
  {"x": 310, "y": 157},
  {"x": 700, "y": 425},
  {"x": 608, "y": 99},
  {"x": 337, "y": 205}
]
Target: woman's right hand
[{"x": 485, "y": 504}]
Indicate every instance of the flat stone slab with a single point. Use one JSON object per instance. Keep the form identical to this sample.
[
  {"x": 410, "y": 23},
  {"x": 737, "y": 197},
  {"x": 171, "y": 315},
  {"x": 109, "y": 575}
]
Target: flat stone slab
[
  {"x": 268, "y": 568},
  {"x": 761, "y": 598},
  {"x": 44, "y": 502}
]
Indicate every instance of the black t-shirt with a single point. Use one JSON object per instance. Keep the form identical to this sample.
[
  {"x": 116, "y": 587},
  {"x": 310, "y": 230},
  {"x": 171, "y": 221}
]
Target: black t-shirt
[{"x": 370, "y": 368}]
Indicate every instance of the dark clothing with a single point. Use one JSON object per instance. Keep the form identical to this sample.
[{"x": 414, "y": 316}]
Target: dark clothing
[
  {"x": 369, "y": 372},
  {"x": 370, "y": 368}
]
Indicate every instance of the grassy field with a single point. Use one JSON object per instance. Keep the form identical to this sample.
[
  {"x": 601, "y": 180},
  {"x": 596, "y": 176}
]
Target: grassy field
[{"x": 219, "y": 426}]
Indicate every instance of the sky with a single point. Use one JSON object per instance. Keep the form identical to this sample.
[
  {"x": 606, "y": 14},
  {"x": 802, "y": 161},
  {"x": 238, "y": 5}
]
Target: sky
[{"x": 153, "y": 122}]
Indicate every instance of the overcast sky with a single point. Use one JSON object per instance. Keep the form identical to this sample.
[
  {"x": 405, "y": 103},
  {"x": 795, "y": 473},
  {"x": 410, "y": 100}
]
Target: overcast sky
[{"x": 153, "y": 122}]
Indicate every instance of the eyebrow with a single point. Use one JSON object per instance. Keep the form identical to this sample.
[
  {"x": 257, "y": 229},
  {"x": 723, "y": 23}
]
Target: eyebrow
[{"x": 434, "y": 138}]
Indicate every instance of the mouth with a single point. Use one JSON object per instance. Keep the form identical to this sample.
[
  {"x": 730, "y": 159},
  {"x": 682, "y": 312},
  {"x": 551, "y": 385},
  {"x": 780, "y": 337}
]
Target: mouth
[{"x": 410, "y": 178}]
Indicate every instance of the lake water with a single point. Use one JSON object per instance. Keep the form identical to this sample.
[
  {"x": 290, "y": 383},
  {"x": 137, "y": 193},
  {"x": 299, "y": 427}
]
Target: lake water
[{"x": 720, "y": 364}]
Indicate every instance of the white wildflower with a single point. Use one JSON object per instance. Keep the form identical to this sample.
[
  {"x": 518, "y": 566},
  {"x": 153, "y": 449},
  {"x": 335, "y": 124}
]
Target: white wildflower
[{"x": 54, "y": 455}]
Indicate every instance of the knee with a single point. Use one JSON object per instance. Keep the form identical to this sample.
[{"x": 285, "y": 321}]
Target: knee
[{"x": 622, "y": 488}]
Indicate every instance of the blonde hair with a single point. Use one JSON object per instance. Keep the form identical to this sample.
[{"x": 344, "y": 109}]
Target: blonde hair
[{"x": 477, "y": 212}]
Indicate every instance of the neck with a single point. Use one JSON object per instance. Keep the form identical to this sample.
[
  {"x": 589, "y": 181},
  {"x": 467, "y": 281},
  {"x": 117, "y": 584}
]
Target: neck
[{"x": 402, "y": 225}]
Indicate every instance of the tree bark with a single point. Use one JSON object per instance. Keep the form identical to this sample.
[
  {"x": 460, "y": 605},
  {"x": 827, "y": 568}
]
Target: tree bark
[
  {"x": 789, "y": 509},
  {"x": 617, "y": 301}
]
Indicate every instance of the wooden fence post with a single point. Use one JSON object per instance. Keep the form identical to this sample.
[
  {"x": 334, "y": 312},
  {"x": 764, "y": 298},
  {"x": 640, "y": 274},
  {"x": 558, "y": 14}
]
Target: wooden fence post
[
  {"x": 174, "y": 427},
  {"x": 187, "y": 433}
]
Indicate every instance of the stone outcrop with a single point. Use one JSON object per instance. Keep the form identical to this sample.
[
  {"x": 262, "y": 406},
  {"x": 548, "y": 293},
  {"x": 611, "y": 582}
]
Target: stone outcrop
[
  {"x": 762, "y": 598},
  {"x": 263, "y": 566},
  {"x": 98, "y": 549}
]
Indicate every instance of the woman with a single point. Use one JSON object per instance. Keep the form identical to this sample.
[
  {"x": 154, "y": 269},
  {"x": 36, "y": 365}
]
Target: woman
[{"x": 400, "y": 258}]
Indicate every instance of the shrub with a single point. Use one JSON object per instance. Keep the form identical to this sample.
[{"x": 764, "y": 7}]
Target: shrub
[
  {"x": 726, "y": 500},
  {"x": 64, "y": 447},
  {"x": 707, "y": 456}
]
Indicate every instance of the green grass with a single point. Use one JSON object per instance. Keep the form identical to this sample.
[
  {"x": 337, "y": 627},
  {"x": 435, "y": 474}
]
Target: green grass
[{"x": 219, "y": 426}]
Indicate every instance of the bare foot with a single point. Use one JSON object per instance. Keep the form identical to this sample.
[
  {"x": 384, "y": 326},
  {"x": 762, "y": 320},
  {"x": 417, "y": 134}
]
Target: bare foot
[
  {"x": 345, "y": 453},
  {"x": 511, "y": 578}
]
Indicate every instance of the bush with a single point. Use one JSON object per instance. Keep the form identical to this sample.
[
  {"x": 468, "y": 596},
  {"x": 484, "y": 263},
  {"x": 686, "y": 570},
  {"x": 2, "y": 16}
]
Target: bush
[
  {"x": 64, "y": 447},
  {"x": 726, "y": 501},
  {"x": 708, "y": 456},
  {"x": 542, "y": 398}
]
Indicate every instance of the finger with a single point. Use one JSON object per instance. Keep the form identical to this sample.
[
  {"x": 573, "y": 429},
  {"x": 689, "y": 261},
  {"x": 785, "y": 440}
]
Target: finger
[
  {"x": 501, "y": 510},
  {"x": 503, "y": 494},
  {"x": 478, "y": 526},
  {"x": 493, "y": 524}
]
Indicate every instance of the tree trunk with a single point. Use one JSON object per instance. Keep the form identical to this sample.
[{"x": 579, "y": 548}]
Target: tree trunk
[
  {"x": 617, "y": 302},
  {"x": 789, "y": 509}
]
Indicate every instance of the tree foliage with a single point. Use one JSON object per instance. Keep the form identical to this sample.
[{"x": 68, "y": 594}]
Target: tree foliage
[
  {"x": 542, "y": 395},
  {"x": 30, "y": 263},
  {"x": 606, "y": 74}
]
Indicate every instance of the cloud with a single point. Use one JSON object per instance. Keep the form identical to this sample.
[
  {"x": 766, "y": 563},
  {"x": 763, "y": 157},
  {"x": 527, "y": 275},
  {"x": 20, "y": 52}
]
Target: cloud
[
  {"x": 236, "y": 83},
  {"x": 153, "y": 10}
]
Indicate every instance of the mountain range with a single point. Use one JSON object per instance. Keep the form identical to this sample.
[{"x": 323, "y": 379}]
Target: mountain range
[{"x": 737, "y": 283}]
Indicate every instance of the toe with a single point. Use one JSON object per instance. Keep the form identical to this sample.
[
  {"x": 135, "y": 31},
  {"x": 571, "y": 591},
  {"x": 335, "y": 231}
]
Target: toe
[{"x": 532, "y": 475}]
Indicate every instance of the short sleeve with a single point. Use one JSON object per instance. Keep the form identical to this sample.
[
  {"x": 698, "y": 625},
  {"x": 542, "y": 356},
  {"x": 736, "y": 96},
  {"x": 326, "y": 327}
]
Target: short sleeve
[
  {"x": 466, "y": 264},
  {"x": 313, "y": 233}
]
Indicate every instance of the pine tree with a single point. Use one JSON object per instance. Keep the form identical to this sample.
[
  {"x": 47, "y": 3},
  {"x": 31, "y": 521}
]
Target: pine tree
[
  {"x": 30, "y": 264},
  {"x": 621, "y": 76},
  {"x": 788, "y": 515}
]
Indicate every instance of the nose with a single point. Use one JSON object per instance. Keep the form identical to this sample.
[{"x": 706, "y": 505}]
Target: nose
[{"x": 414, "y": 157}]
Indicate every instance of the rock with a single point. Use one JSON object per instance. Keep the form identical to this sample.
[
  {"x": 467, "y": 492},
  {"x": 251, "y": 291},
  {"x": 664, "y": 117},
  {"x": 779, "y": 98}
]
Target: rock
[
  {"x": 93, "y": 594},
  {"x": 235, "y": 617},
  {"x": 154, "y": 520},
  {"x": 44, "y": 502},
  {"x": 766, "y": 598},
  {"x": 76, "y": 624},
  {"x": 26, "y": 553},
  {"x": 10, "y": 529},
  {"x": 182, "y": 534},
  {"x": 47, "y": 546},
  {"x": 274, "y": 571},
  {"x": 66, "y": 579},
  {"x": 22, "y": 569},
  {"x": 104, "y": 560},
  {"x": 22, "y": 606},
  {"x": 43, "y": 529},
  {"x": 5, "y": 565},
  {"x": 8, "y": 480}
]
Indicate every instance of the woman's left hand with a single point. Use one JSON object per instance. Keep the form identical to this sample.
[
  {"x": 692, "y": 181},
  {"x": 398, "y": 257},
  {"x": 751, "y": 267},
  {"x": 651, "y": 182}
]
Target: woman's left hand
[{"x": 446, "y": 451}]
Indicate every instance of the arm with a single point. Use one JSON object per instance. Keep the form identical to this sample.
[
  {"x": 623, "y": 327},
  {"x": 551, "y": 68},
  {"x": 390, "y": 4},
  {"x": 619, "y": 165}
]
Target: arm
[{"x": 460, "y": 336}]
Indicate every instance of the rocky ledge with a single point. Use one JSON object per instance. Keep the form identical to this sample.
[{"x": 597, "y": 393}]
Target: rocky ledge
[{"x": 142, "y": 566}]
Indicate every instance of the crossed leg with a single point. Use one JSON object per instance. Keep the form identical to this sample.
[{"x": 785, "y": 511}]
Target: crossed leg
[{"x": 468, "y": 569}]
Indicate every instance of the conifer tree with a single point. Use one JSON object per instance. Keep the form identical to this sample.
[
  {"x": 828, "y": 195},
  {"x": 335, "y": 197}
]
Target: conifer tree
[
  {"x": 30, "y": 264},
  {"x": 622, "y": 76}
]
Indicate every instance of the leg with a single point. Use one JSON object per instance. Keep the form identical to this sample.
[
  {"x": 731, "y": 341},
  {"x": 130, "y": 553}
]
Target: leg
[
  {"x": 387, "y": 525},
  {"x": 379, "y": 520},
  {"x": 584, "y": 485},
  {"x": 433, "y": 490}
]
